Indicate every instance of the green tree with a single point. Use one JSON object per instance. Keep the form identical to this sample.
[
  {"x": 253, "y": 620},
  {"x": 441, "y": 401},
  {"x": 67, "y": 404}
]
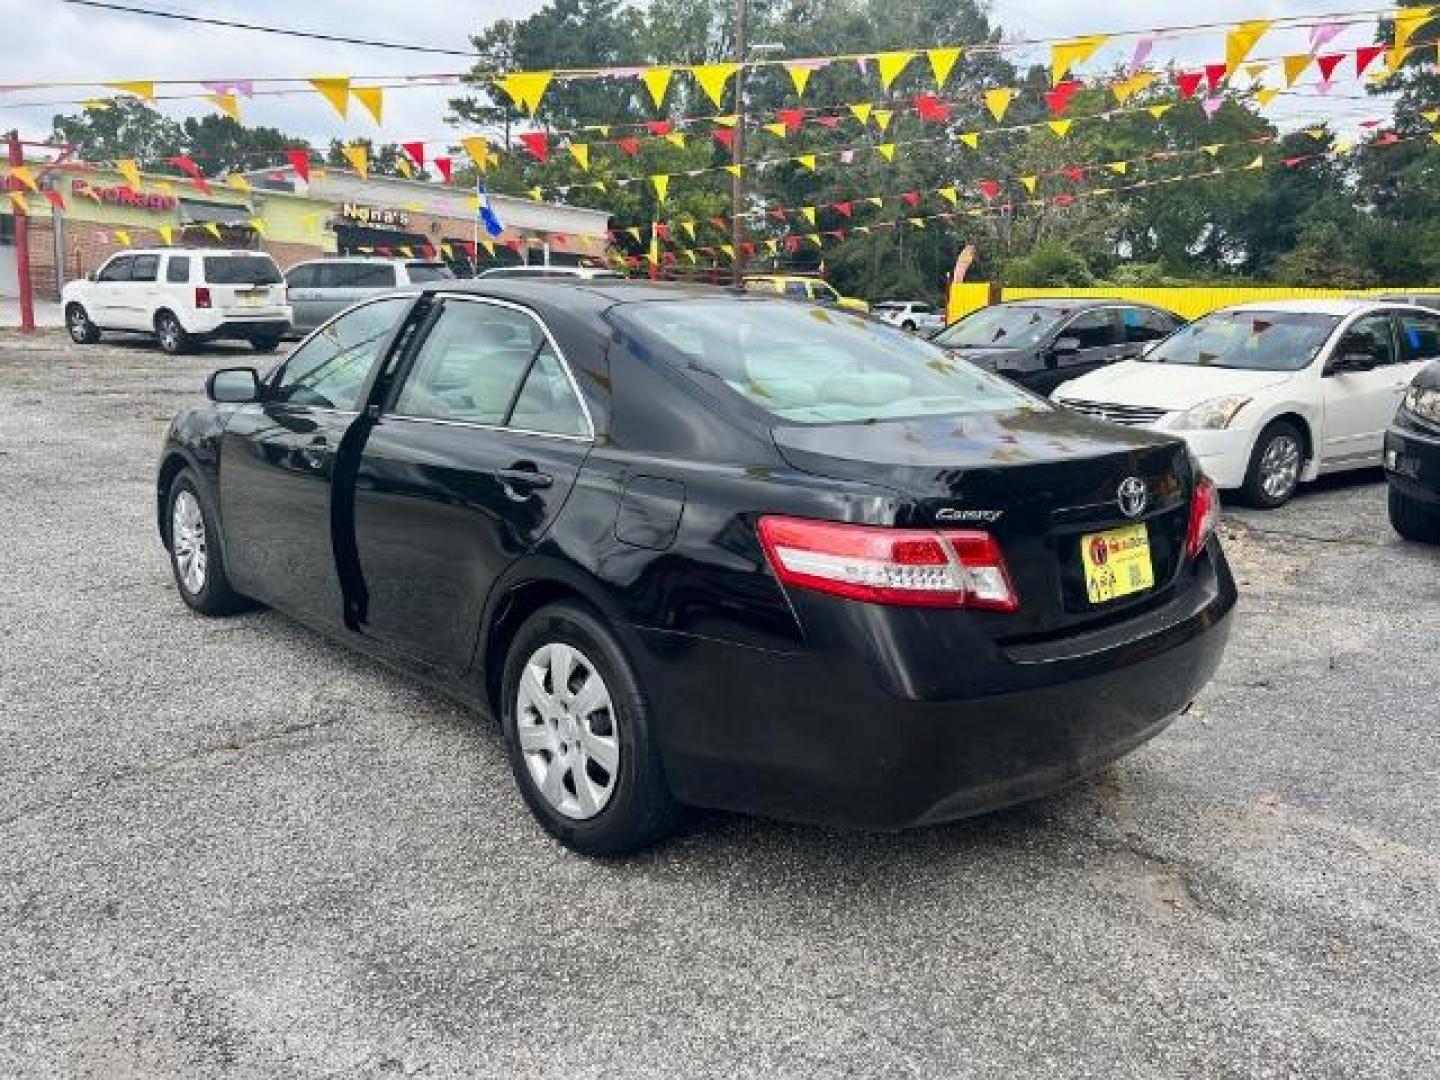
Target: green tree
[{"x": 125, "y": 128}]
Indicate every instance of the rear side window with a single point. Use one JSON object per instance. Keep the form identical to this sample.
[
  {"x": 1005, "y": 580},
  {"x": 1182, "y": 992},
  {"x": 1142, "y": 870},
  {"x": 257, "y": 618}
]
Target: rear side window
[
  {"x": 302, "y": 277},
  {"x": 547, "y": 401},
  {"x": 1146, "y": 324},
  {"x": 1093, "y": 329},
  {"x": 117, "y": 269},
  {"x": 420, "y": 272},
  {"x": 1419, "y": 335},
  {"x": 241, "y": 270},
  {"x": 329, "y": 369},
  {"x": 177, "y": 269},
  {"x": 813, "y": 365},
  {"x": 145, "y": 268},
  {"x": 343, "y": 275}
]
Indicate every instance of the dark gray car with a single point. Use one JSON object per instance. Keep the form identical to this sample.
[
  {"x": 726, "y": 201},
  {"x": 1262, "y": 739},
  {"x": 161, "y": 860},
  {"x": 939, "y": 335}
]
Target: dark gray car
[
  {"x": 1043, "y": 343},
  {"x": 321, "y": 289}
]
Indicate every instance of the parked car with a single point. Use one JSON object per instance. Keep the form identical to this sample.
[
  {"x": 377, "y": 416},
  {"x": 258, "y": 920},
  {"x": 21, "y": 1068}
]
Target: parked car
[
  {"x": 700, "y": 548},
  {"x": 322, "y": 288},
  {"x": 1043, "y": 343},
  {"x": 1421, "y": 299},
  {"x": 1272, "y": 394},
  {"x": 803, "y": 287},
  {"x": 1412, "y": 459},
  {"x": 584, "y": 273},
  {"x": 910, "y": 315},
  {"x": 183, "y": 296}
]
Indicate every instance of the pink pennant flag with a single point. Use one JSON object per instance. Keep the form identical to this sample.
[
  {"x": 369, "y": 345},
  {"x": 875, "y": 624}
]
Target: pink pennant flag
[
  {"x": 1143, "y": 48},
  {"x": 1211, "y": 105},
  {"x": 1324, "y": 86},
  {"x": 847, "y": 157},
  {"x": 1323, "y": 34}
]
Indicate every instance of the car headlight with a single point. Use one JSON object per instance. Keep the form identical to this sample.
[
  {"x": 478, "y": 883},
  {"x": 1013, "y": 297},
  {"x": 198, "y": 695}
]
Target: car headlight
[
  {"x": 1423, "y": 403},
  {"x": 1213, "y": 415}
]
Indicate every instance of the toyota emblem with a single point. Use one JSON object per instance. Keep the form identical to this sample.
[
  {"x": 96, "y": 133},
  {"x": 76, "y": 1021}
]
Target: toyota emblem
[{"x": 1133, "y": 497}]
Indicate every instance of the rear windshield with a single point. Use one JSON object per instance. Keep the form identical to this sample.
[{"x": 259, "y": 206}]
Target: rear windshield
[
  {"x": 241, "y": 270},
  {"x": 814, "y": 365},
  {"x": 1249, "y": 340},
  {"x": 1005, "y": 326},
  {"x": 429, "y": 272}
]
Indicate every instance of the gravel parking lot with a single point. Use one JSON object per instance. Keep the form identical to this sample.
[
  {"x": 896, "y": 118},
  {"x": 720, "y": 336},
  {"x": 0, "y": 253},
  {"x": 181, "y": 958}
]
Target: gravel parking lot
[{"x": 228, "y": 848}]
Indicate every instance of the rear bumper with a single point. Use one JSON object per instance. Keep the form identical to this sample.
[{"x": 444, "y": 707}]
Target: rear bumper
[
  {"x": 242, "y": 326},
  {"x": 1412, "y": 464},
  {"x": 827, "y": 738}
]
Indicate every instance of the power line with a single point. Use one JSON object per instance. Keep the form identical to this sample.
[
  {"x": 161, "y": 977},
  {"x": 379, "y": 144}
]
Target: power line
[{"x": 258, "y": 28}]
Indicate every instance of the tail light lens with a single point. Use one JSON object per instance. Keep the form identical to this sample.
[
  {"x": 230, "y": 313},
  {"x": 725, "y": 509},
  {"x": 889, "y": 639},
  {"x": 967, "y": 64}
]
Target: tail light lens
[
  {"x": 904, "y": 567},
  {"x": 1204, "y": 512},
  {"x": 202, "y": 298}
]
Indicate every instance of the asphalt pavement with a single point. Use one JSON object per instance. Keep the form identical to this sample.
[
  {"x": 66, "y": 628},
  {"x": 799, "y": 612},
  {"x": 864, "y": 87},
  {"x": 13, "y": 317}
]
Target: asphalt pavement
[{"x": 231, "y": 849}]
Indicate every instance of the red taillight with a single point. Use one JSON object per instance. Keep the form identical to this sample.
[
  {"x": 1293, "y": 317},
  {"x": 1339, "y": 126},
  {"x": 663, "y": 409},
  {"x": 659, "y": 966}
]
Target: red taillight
[
  {"x": 1204, "y": 512},
  {"x": 908, "y": 567},
  {"x": 202, "y": 297}
]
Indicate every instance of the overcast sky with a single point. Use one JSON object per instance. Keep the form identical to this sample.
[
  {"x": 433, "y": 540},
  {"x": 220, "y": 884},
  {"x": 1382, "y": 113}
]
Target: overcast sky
[{"x": 52, "y": 40}]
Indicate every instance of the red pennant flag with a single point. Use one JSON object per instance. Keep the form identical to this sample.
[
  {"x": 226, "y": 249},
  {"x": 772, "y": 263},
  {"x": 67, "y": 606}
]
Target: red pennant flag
[
  {"x": 725, "y": 137},
  {"x": 1215, "y": 74},
  {"x": 931, "y": 108},
  {"x": 718, "y": 222},
  {"x": 911, "y": 197},
  {"x": 1189, "y": 82},
  {"x": 1328, "y": 64},
  {"x": 538, "y": 143},
  {"x": 186, "y": 165},
  {"x": 669, "y": 257},
  {"x": 662, "y": 230},
  {"x": 791, "y": 118},
  {"x": 1065, "y": 199},
  {"x": 1059, "y": 98},
  {"x": 747, "y": 248},
  {"x": 1292, "y": 162},
  {"x": 845, "y": 209},
  {"x": 428, "y": 250},
  {"x": 659, "y": 128},
  {"x": 828, "y": 121},
  {"x": 469, "y": 246},
  {"x": 382, "y": 250},
  {"x": 442, "y": 164},
  {"x": 515, "y": 244},
  {"x": 778, "y": 213},
  {"x": 838, "y": 234},
  {"x": 629, "y": 146},
  {"x": 1074, "y": 174},
  {"x": 415, "y": 151},
  {"x": 300, "y": 162},
  {"x": 792, "y": 243},
  {"x": 1388, "y": 139},
  {"x": 55, "y": 199},
  {"x": 989, "y": 188},
  {"x": 1371, "y": 123},
  {"x": 1365, "y": 56}
]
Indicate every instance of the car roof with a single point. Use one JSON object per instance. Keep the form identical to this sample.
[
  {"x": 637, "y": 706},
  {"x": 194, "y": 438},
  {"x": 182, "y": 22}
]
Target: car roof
[
  {"x": 193, "y": 251},
  {"x": 1309, "y": 306},
  {"x": 385, "y": 260},
  {"x": 584, "y": 293},
  {"x": 1077, "y": 303}
]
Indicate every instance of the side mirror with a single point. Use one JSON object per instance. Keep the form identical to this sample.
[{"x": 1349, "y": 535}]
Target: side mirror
[
  {"x": 1066, "y": 346},
  {"x": 234, "y": 386}
]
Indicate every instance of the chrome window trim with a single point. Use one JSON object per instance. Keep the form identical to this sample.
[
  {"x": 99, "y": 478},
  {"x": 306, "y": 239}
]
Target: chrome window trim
[
  {"x": 476, "y": 425},
  {"x": 492, "y": 301}
]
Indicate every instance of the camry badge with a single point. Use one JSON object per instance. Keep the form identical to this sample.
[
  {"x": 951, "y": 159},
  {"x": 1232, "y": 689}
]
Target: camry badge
[
  {"x": 1133, "y": 497},
  {"x": 986, "y": 517}
]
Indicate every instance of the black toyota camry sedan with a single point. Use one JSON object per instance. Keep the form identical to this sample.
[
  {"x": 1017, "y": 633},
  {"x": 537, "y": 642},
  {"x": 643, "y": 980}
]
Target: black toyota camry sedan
[
  {"x": 1412, "y": 460},
  {"x": 695, "y": 548}
]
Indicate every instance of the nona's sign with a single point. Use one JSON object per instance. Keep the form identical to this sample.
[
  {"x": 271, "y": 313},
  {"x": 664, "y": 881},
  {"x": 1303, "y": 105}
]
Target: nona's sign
[{"x": 383, "y": 216}]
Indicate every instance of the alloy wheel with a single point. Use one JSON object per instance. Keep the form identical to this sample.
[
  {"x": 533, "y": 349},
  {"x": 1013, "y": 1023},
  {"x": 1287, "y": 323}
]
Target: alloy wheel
[
  {"x": 187, "y": 541},
  {"x": 566, "y": 726},
  {"x": 1280, "y": 467},
  {"x": 169, "y": 334},
  {"x": 79, "y": 325}
]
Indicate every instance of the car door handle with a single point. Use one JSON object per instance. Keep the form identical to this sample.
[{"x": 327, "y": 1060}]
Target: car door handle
[{"x": 524, "y": 477}]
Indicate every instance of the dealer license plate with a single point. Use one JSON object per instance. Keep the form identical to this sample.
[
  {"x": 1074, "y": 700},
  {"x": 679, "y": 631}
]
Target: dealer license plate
[
  {"x": 1117, "y": 563},
  {"x": 253, "y": 299}
]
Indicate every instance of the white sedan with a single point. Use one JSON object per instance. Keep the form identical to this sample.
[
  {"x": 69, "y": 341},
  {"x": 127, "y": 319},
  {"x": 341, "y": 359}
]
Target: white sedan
[
  {"x": 909, "y": 315},
  {"x": 1271, "y": 394}
]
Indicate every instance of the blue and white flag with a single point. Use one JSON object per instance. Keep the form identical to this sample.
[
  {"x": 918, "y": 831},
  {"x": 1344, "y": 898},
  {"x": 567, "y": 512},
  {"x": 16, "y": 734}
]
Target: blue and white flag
[{"x": 487, "y": 213}]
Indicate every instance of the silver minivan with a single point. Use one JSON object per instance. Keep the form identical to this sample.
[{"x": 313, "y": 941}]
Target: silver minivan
[{"x": 323, "y": 288}]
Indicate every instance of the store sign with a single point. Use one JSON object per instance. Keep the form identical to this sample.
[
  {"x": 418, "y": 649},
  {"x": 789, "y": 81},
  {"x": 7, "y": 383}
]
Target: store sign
[
  {"x": 123, "y": 196},
  {"x": 381, "y": 216}
]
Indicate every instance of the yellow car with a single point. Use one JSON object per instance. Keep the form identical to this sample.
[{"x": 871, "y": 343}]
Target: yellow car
[{"x": 803, "y": 288}]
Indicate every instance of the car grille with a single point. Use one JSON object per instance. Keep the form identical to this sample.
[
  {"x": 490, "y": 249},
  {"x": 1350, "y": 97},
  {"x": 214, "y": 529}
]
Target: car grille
[{"x": 1130, "y": 415}]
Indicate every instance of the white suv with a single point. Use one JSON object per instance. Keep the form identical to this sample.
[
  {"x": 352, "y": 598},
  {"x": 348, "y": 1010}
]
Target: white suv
[
  {"x": 183, "y": 296},
  {"x": 909, "y": 315}
]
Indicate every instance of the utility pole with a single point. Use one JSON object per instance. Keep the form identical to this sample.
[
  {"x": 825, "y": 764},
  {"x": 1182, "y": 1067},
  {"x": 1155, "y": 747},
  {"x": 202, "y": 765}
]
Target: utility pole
[
  {"x": 737, "y": 182},
  {"x": 22, "y": 242}
]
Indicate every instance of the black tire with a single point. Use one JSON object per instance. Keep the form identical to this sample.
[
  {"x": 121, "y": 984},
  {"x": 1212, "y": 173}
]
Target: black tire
[
  {"x": 215, "y": 595},
  {"x": 171, "y": 335},
  {"x": 82, "y": 330},
  {"x": 1255, "y": 491},
  {"x": 641, "y": 810},
  {"x": 1413, "y": 520},
  {"x": 265, "y": 344},
  {"x": 908, "y": 325}
]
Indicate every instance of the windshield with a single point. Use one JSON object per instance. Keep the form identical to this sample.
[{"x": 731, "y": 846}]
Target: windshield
[
  {"x": 814, "y": 365},
  {"x": 420, "y": 272},
  {"x": 1005, "y": 326},
  {"x": 241, "y": 270},
  {"x": 1248, "y": 340}
]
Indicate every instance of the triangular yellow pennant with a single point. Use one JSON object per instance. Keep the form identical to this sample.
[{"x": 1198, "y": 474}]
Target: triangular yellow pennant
[
  {"x": 373, "y": 98},
  {"x": 1213, "y": 149},
  {"x": 772, "y": 246},
  {"x": 489, "y": 246},
  {"x": 891, "y": 64},
  {"x": 689, "y": 227},
  {"x": 657, "y": 81},
  {"x": 406, "y": 170},
  {"x": 214, "y": 230},
  {"x": 130, "y": 170},
  {"x": 726, "y": 121},
  {"x": 336, "y": 90},
  {"x": 1255, "y": 72},
  {"x": 239, "y": 183},
  {"x": 861, "y": 111},
  {"x": 713, "y": 78},
  {"x": 1127, "y": 88},
  {"x": 971, "y": 139},
  {"x": 23, "y": 174},
  {"x": 814, "y": 238},
  {"x": 1030, "y": 183},
  {"x": 919, "y": 223},
  {"x": 882, "y": 118},
  {"x": 634, "y": 232},
  {"x": 258, "y": 226},
  {"x": 122, "y": 235},
  {"x": 808, "y": 213},
  {"x": 875, "y": 201},
  {"x": 1294, "y": 66},
  {"x": 800, "y": 76},
  {"x": 536, "y": 194},
  {"x": 676, "y": 138},
  {"x": 1258, "y": 163},
  {"x": 581, "y": 153},
  {"x": 526, "y": 88},
  {"x": 998, "y": 102},
  {"x": 141, "y": 89},
  {"x": 1241, "y": 40},
  {"x": 1159, "y": 111},
  {"x": 1432, "y": 116},
  {"x": 480, "y": 153},
  {"x": 1120, "y": 168},
  {"x": 1317, "y": 133},
  {"x": 806, "y": 161},
  {"x": 661, "y": 182},
  {"x": 1061, "y": 128},
  {"x": 167, "y": 234},
  {"x": 942, "y": 62},
  {"x": 229, "y": 104},
  {"x": 359, "y": 157},
  {"x": 1266, "y": 97},
  {"x": 950, "y": 195},
  {"x": 777, "y": 129},
  {"x": 1407, "y": 22},
  {"x": 729, "y": 251},
  {"x": 1064, "y": 55},
  {"x": 886, "y": 150}
]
